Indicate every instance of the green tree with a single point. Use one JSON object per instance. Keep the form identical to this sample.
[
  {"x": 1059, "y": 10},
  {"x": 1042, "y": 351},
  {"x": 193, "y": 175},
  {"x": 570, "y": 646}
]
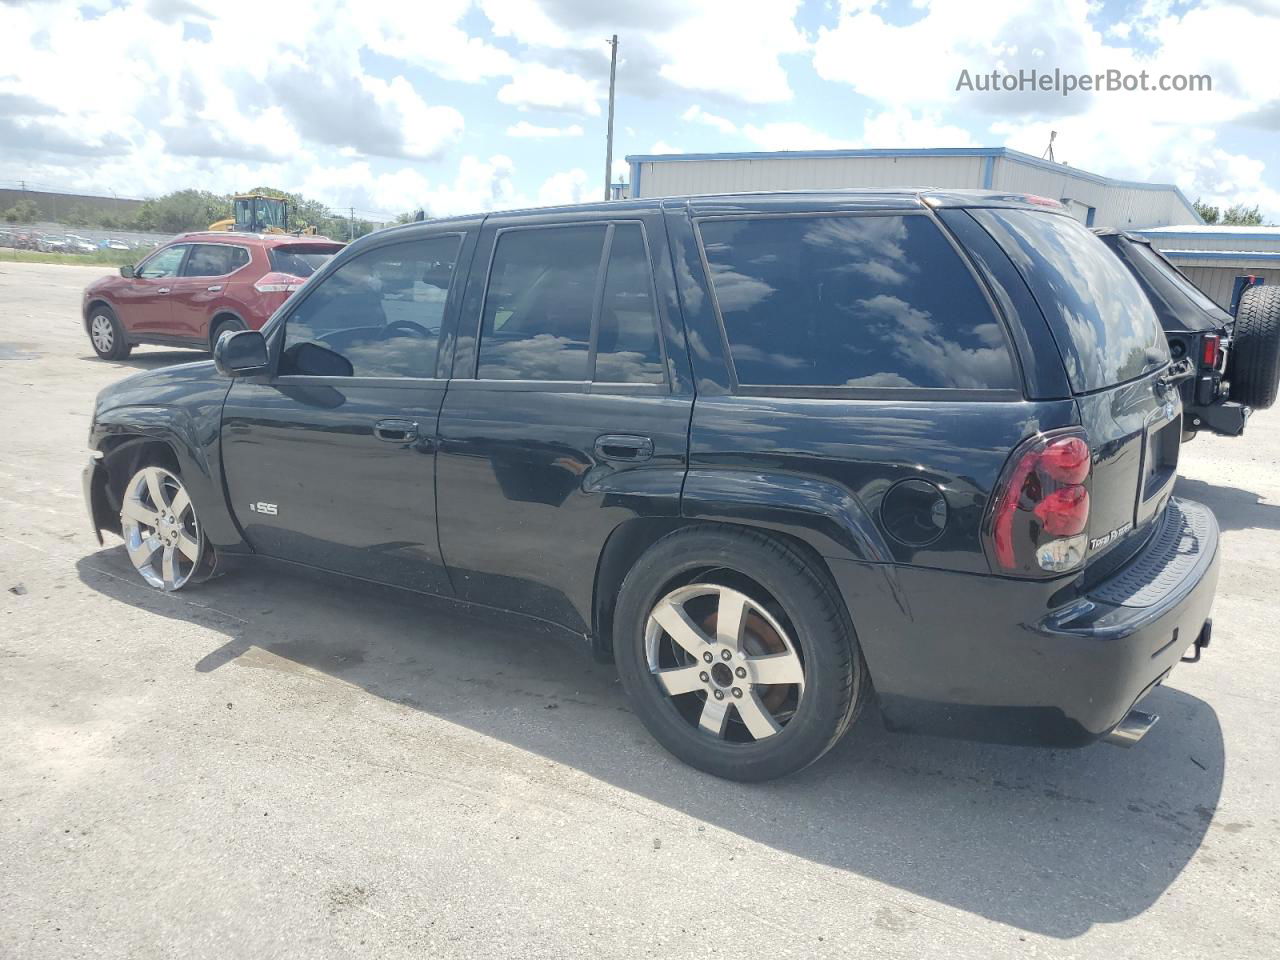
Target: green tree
[
  {"x": 24, "y": 211},
  {"x": 1236, "y": 215},
  {"x": 1207, "y": 213}
]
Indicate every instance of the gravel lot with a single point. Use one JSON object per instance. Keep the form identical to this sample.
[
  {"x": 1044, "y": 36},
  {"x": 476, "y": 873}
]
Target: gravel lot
[{"x": 264, "y": 766}]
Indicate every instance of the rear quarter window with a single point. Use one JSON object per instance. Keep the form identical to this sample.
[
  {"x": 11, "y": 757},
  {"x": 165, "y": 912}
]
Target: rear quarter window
[
  {"x": 1102, "y": 321},
  {"x": 869, "y": 301}
]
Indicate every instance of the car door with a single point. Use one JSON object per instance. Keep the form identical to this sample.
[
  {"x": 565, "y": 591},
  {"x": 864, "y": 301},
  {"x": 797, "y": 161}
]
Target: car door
[
  {"x": 142, "y": 301},
  {"x": 330, "y": 460},
  {"x": 202, "y": 285},
  {"x": 566, "y": 415}
]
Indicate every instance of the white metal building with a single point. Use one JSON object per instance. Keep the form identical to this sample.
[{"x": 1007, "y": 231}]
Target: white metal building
[
  {"x": 1213, "y": 257},
  {"x": 1095, "y": 200}
]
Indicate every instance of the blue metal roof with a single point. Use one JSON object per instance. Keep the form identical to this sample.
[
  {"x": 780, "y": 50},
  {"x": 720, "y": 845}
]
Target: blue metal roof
[{"x": 991, "y": 153}]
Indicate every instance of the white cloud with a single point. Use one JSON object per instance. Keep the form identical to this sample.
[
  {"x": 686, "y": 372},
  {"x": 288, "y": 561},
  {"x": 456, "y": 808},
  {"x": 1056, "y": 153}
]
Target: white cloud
[
  {"x": 534, "y": 85},
  {"x": 729, "y": 47},
  {"x": 661, "y": 146},
  {"x": 525, "y": 129},
  {"x": 568, "y": 186},
  {"x": 792, "y": 135},
  {"x": 695, "y": 114}
]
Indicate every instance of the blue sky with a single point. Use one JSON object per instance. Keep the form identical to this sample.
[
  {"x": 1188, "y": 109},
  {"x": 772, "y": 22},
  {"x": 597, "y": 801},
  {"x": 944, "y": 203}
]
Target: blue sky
[{"x": 458, "y": 105}]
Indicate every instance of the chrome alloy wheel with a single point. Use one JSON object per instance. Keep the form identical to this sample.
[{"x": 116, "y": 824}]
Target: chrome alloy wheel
[
  {"x": 102, "y": 333},
  {"x": 726, "y": 662},
  {"x": 160, "y": 529}
]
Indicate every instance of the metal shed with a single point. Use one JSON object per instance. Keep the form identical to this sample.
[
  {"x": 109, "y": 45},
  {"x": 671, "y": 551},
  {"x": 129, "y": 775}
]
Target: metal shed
[{"x": 1095, "y": 200}]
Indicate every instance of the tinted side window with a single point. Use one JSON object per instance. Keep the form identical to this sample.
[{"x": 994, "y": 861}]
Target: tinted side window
[
  {"x": 1103, "y": 322},
  {"x": 165, "y": 263},
  {"x": 627, "y": 349},
  {"x": 538, "y": 304},
  {"x": 852, "y": 301},
  {"x": 380, "y": 312},
  {"x": 214, "y": 260}
]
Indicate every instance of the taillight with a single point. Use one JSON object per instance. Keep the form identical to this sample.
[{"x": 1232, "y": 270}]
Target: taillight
[
  {"x": 278, "y": 283},
  {"x": 1040, "y": 510},
  {"x": 1211, "y": 346}
]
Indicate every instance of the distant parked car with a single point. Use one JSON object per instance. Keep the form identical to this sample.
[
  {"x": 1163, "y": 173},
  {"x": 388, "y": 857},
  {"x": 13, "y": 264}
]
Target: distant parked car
[
  {"x": 196, "y": 287},
  {"x": 52, "y": 244},
  {"x": 79, "y": 244},
  {"x": 113, "y": 243}
]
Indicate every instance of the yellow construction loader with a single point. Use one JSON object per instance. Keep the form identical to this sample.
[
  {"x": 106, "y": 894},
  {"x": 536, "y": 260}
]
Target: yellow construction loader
[{"x": 258, "y": 213}]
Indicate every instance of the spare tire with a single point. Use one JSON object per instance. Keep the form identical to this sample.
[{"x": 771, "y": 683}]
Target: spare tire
[{"x": 1254, "y": 369}]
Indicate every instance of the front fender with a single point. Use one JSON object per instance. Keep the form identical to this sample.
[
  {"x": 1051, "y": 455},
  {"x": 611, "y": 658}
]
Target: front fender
[
  {"x": 824, "y": 515},
  {"x": 120, "y": 433}
]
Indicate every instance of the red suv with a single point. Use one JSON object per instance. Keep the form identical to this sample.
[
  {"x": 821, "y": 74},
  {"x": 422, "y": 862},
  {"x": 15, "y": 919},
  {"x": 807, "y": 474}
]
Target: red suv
[{"x": 198, "y": 286}]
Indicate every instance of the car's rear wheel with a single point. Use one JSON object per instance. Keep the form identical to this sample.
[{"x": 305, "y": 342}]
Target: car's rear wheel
[
  {"x": 737, "y": 654},
  {"x": 162, "y": 533},
  {"x": 1255, "y": 348},
  {"x": 106, "y": 335}
]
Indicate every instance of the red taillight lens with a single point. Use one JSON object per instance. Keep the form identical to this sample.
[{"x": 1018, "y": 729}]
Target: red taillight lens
[
  {"x": 1064, "y": 512},
  {"x": 1041, "y": 508},
  {"x": 1212, "y": 344},
  {"x": 1066, "y": 460}
]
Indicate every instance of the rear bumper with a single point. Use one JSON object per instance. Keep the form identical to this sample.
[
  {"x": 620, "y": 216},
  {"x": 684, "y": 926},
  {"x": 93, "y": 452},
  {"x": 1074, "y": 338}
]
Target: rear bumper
[
  {"x": 1226, "y": 418},
  {"x": 1018, "y": 661}
]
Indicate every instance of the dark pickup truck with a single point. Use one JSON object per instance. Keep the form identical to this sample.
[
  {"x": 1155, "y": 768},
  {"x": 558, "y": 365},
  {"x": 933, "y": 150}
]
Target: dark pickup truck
[{"x": 779, "y": 456}]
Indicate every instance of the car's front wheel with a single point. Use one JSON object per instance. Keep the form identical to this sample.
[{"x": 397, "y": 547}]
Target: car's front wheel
[
  {"x": 737, "y": 654},
  {"x": 106, "y": 335},
  {"x": 162, "y": 533}
]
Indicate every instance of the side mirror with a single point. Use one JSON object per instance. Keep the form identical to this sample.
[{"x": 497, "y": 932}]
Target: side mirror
[
  {"x": 240, "y": 353},
  {"x": 127, "y": 271},
  {"x": 312, "y": 360}
]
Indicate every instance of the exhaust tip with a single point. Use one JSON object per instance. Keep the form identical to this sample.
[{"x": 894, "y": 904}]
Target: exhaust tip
[{"x": 1131, "y": 729}]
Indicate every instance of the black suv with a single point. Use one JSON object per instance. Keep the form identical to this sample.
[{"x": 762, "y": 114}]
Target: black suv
[
  {"x": 1232, "y": 363},
  {"x": 774, "y": 454}
]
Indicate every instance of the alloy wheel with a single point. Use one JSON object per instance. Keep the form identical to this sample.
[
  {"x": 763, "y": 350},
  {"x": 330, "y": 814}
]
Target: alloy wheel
[
  {"x": 727, "y": 664},
  {"x": 161, "y": 533},
  {"x": 102, "y": 333}
]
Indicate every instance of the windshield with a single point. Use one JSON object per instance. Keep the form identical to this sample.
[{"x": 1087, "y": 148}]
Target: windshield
[
  {"x": 1103, "y": 322},
  {"x": 301, "y": 261}
]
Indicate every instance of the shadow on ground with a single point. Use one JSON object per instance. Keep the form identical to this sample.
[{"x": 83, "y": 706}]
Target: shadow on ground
[
  {"x": 1047, "y": 841},
  {"x": 1236, "y": 509}
]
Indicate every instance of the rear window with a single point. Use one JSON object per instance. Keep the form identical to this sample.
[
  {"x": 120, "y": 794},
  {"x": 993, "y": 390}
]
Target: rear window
[
  {"x": 301, "y": 261},
  {"x": 1176, "y": 277},
  {"x": 1103, "y": 323},
  {"x": 877, "y": 302}
]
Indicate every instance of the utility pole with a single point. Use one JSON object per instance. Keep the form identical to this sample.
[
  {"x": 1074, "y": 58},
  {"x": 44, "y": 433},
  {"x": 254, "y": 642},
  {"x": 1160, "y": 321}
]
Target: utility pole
[
  {"x": 353, "y": 223},
  {"x": 608, "y": 150}
]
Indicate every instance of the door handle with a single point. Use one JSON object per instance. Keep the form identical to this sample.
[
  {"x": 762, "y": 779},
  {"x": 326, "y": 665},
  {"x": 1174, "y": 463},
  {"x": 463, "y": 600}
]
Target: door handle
[
  {"x": 215, "y": 288},
  {"x": 396, "y": 431},
  {"x": 617, "y": 446},
  {"x": 163, "y": 290}
]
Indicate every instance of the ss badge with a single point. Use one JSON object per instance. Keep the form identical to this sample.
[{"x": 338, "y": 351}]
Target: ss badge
[{"x": 269, "y": 509}]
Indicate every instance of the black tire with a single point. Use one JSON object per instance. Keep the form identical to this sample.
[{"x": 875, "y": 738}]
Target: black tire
[
  {"x": 804, "y": 602},
  {"x": 222, "y": 326},
  {"x": 106, "y": 335},
  {"x": 1255, "y": 348}
]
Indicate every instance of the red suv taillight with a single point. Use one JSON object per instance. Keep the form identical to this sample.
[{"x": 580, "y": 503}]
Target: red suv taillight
[
  {"x": 1040, "y": 509},
  {"x": 276, "y": 282},
  {"x": 1211, "y": 344}
]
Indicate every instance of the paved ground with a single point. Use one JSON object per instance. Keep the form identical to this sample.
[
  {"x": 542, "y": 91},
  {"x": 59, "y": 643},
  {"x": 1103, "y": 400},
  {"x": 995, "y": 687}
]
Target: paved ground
[{"x": 267, "y": 767}]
